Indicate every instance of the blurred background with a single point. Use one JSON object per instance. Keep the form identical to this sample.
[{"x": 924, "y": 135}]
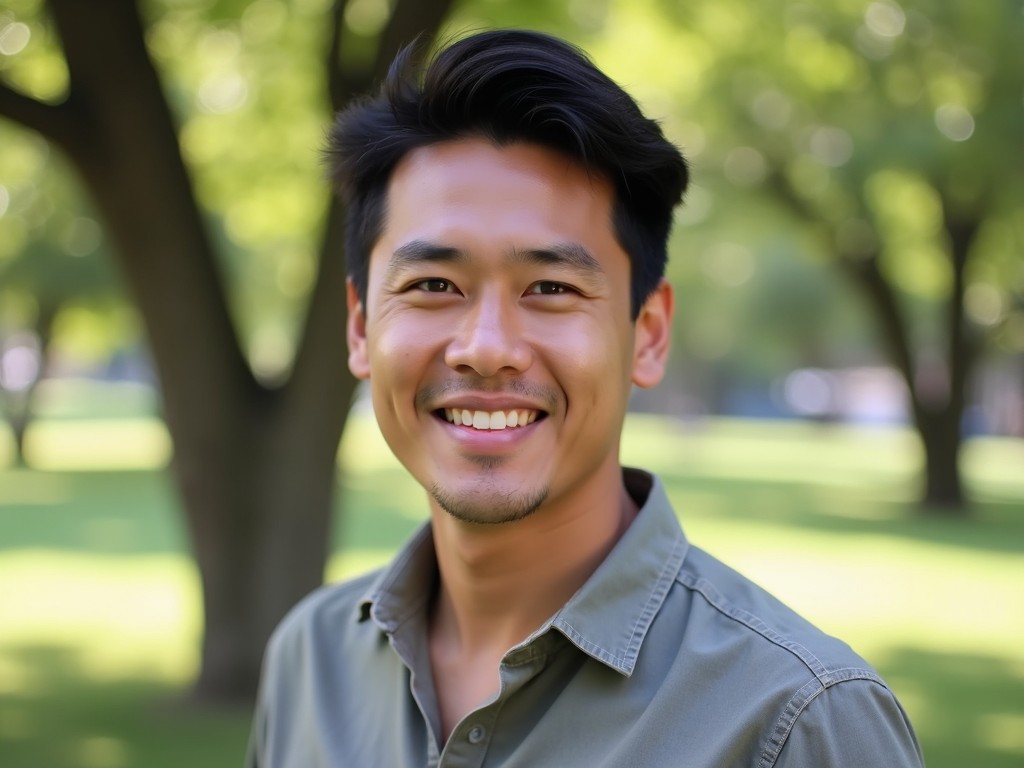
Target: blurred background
[{"x": 843, "y": 419}]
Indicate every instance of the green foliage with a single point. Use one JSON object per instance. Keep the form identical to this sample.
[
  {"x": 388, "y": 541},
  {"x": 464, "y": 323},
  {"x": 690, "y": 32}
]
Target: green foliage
[
  {"x": 876, "y": 113},
  {"x": 54, "y": 256},
  {"x": 908, "y": 216},
  {"x": 30, "y": 56},
  {"x": 879, "y": 114},
  {"x": 247, "y": 83}
]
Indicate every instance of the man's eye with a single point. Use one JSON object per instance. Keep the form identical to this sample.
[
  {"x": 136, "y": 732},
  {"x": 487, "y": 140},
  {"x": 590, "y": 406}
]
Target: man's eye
[
  {"x": 548, "y": 288},
  {"x": 435, "y": 285}
]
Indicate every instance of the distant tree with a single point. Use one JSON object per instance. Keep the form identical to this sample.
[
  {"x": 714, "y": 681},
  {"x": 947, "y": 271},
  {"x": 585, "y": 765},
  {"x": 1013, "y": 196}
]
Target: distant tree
[
  {"x": 254, "y": 456},
  {"x": 891, "y": 131},
  {"x": 51, "y": 258},
  {"x": 24, "y": 354}
]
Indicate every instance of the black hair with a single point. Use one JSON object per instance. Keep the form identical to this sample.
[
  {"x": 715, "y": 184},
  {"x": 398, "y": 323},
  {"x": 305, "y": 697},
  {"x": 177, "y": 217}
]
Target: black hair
[{"x": 509, "y": 86}]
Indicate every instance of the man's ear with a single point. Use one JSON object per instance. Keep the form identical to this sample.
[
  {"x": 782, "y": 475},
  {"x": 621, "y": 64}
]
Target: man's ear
[
  {"x": 355, "y": 333},
  {"x": 653, "y": 336}
]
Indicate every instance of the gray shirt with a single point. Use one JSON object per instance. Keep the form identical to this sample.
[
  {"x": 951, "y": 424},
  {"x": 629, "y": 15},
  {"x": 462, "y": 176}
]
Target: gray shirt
[{"x": 665, "y": 657}]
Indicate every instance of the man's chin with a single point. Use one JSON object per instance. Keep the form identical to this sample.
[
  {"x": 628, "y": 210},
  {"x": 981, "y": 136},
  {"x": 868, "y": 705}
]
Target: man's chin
[{"x": 489, "y": 506}]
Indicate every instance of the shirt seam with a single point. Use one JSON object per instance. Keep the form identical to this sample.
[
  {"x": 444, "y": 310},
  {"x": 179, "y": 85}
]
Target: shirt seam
[
  {"x": 707, "y": 590},
  {"x": 798, "y": 704},
  {"x": 823, "y": 677}
]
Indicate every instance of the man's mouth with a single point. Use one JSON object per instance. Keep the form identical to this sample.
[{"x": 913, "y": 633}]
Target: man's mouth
[{"x": 491, "y": 420}]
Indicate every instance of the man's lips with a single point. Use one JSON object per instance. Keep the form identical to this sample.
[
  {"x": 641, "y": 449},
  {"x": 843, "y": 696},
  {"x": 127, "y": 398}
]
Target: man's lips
[{"x": 490, "y": 420}]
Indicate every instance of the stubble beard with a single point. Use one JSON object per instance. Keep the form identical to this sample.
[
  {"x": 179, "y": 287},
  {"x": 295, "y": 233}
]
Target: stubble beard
[{"x": 489, "y": 506}]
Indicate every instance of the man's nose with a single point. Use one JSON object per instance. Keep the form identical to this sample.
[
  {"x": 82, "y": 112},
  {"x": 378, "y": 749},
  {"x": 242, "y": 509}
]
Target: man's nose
[{"x": 489, "y": 340}]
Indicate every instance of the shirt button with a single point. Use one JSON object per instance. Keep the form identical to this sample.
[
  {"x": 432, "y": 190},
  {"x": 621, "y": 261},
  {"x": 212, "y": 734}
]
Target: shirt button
[{"x": 476, "y": 734}]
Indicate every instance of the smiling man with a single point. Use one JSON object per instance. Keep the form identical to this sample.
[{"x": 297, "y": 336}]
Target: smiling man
[{"x": 509, "y": 210}]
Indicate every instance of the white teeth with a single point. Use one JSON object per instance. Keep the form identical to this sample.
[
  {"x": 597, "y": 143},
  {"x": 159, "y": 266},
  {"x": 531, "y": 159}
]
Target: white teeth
[{"x": 490, "y": 420}]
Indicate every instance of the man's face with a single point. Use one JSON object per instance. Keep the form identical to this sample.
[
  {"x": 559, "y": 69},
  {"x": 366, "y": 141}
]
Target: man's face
[{"x": 496, "y": 333}]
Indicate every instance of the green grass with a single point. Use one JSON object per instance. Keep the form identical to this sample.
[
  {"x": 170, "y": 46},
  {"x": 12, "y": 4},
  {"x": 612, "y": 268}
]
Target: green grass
[{"x": 99, "y": 611}]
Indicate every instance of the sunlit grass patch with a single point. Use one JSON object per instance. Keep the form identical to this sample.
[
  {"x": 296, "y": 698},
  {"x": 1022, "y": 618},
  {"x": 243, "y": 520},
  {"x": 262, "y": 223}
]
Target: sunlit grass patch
[
  {"x": 96, "y": 651},
  {"x": 116, "y": 618},
  {"x": 97, "y": 445},
  {"x": 995, "y": 467},
  {"x": 91, "y": 444}
]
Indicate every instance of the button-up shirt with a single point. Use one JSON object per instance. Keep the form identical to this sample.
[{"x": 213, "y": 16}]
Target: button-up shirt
[{"x": 664, "y": 657}]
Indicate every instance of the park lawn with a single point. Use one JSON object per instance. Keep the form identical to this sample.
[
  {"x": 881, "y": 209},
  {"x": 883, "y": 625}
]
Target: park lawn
[{"x": 100, "y": 618}]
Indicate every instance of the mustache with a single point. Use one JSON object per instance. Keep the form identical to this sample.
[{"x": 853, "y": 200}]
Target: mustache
[{"x": 448, "y": 388}]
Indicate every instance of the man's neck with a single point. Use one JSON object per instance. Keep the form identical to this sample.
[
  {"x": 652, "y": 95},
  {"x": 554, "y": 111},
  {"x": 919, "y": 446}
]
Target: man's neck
[{"x": 500, "y": 583}]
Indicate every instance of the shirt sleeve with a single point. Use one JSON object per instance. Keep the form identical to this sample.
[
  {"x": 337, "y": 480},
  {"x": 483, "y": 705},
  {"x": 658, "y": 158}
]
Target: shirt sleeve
[
  {"x": 854, "y": 724},
  {"x": 255, "y": 755}
]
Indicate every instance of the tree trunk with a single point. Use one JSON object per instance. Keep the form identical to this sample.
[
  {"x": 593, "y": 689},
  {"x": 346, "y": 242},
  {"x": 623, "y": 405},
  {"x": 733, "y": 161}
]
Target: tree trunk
[
  {"x": 937, "y": 423},
  {"x": 18, "y": 402},
  {"x": 18, "y": 410},
  {"x": 255, "y": 466},
  {"x": 256, "y": 494},
  {"x": 261, "y": 530},
  {"x": 942, "y": 490}
]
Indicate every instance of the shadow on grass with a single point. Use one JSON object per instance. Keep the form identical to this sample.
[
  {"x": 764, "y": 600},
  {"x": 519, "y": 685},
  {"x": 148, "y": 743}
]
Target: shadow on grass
[
  {"x": 383, "y": 507},
  {"x": 968, "y": 710},
  {"x": 991, "y": 526},
  {"x": 135, "y": 512},
  {"x": 115, "y": 512},
  {"x": 52, "y": 714}
]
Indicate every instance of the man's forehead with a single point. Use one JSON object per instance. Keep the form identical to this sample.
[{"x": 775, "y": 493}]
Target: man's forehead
[
  {"x": 513, "y": 204},
  {"x": 460, "y": 153}
]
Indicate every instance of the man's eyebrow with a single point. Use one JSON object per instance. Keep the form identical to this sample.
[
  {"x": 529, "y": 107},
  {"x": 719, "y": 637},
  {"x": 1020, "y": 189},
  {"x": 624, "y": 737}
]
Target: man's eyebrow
[
  {"x": 572, "y": 255},
  {"x": 419, "y": 251}
]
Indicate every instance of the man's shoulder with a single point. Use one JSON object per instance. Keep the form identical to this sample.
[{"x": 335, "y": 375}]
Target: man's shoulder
[
  {"x": 332, "y": 610},
  {"x": 810, "y": 699},
  {"x": 770, "y": 628}
]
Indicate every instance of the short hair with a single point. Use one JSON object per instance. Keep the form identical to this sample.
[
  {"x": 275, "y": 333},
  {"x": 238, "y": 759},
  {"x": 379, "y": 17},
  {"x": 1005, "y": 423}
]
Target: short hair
[{"x": 510, "y": 86}]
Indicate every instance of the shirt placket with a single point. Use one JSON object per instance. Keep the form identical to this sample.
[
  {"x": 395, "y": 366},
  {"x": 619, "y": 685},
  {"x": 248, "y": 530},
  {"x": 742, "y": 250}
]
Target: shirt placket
[{"x": 468, "y": 744}]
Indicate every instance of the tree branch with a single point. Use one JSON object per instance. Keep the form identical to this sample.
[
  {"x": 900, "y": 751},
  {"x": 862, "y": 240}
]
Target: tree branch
[
  {"x": 409, "y": 19},
  {"x": 337, "y": 87},
  {"x": 964, "y": 345},
  {"x": 867, "y": 274},
  {"x": 325, "y": 319},
  {"x": 52, "y": 121},
  {"x": 865, "y": 271}
]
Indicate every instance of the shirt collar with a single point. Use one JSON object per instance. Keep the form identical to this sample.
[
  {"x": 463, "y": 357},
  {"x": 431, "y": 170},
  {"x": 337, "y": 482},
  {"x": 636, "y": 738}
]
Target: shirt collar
[
  {"x": 403, "y": 588},
  {"x": 607, "y": 618}
]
